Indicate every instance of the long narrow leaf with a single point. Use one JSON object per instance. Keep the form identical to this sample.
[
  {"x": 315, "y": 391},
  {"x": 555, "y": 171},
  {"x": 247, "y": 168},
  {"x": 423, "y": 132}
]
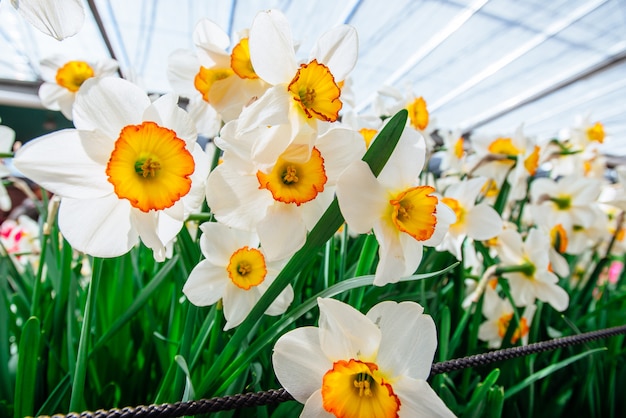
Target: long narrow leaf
[
  {"x": 547, "y": 371},
  {"x": 27, "y": 363}
]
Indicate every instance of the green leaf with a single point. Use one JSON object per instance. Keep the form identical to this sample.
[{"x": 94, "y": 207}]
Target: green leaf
[
  {"x": 138, "y": 303},
  {"x": 77, "y": 399},
  {"x": 495, "y": 402},
  {"x": 26, "y": 379},
  {"x": 478, "y": 402},
  {"x": 547, "y": 371},
  {"x": 189, "y": 393}
]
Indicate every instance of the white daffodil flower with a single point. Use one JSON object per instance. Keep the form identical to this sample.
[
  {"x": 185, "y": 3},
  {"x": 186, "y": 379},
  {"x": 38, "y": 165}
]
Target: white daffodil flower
[
  {"x": 285, "y": 199},
  {"x": 499, "y": 313},
  {"x": 476, "y": 221},
  {"x": 404, "y": 215},
  {"x": 236, "y": 271},
  {"x": 570, "y": 201},
  {"x": 533, "y": 280},
  {"x": 300, "y": 96},
  {"x": 129, "y": 171},
  {"x": 57, "y": 18},
  {"x": 63, "y": 78},
  {"x": 213, "y": 79},
  {"x": 356, "y": 365}
]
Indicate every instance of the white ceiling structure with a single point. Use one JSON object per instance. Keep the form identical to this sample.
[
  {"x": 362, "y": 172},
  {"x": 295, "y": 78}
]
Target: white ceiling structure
[{"x": 484, "y": 66}]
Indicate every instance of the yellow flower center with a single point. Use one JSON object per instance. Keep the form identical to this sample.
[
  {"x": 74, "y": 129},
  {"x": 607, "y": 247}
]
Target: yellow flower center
[
  {"x": 246, "y": 268},
  {"x": 414, "y": 211},
  {"x": 521, "y": 331},
  {"x": 150, "y": 167},
  {"x": 316, "y": 92},
  {"x": 458, "y": 209},
  {"x": 596, "y": 133},
  {"x": 418, "y": 114},
  {"x": 240, "y": 60},
  {"x": 73, "y": 74},
  {"x": 354, "y": 389},
  {"x": 458, "y": 148},
  {"x": 558, "y": 237},
  {"x": 207, "y": 76},
  {"x": 368, "y": 135},
  {"x": 504, "y": 146},
  {"x": 490, "y": 189},
  {"x": 295, "y": 182},
  {"x": 531, "y": 163}
]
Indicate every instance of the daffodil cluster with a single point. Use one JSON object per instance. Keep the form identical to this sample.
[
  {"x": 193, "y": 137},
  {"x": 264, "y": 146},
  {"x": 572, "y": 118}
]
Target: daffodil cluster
[{"x": 285, "y": 142}]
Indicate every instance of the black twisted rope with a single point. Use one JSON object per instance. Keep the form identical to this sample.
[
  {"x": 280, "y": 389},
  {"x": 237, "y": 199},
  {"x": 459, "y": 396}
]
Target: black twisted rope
[{"x": 273, "y": 396}]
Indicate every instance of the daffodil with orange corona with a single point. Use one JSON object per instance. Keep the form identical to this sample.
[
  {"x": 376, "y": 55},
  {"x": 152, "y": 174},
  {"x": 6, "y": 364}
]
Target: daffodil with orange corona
[
  {"x": 362, "y": 366},
  {"x": 129, "y": 171}
]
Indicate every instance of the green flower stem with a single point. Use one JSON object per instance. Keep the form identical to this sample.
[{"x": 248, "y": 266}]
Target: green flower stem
[
  {"x": 201, "y": 217},
  {"x": 77, "y": 399},
  {"x": 364, "y": 266},
  {"x": 526, "y": 268}
]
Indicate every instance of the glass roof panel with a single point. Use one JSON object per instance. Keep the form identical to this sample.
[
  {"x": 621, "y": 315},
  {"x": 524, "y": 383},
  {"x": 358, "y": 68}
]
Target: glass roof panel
[{"x": 480, "y": 64}]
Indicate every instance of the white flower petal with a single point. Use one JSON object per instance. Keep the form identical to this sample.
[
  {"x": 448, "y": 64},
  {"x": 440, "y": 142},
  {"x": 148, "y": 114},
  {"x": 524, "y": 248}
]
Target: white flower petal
[
  {"x": 166, "y": 112},
  {"x": 59, "y": 18},
  {"x": 282, "y": 232},
  {"x": 419, "y": 400},
  {"x": 412, "y": 251},
  {"x": 409, "y": 339},
  {"x": 299, "y": 362},
  {"x": 146, "y": 226},
  {"x": 483, "y": 222},
  {"x": 281, "y": 303},
  {"x": 208, "y": 35},
  {"x": 553, "y": 294},
  {"x": 237, "y": 304},
  {"x": 206, "y": 284},
  {"x": 270, "y": 109},
  {"x": 50, "y": 94},
  {"x": 445, "y": 217},
  {"x": 339, "y": 148},
  {"x": 230, "y": 95},
  {"x": 362, "y": 199},
  {"x": 338, "y": 50},
  {"x": 510, "y": 247},
  {"x": 7, "y": 138},
  {"x": 98, "y": 227},
  {"x": 542, "y": 186},
  {"x": 219, "y": 242},
  {"x": 59, "y": 163},
  {"x": 406, "y": 161},
  {"x": 314, "y": 407},
  {"x": 182, "y": 68},
  {"x": 169, "y": 222},
  {"x": 271, "y": 48},
  {"x": 392, "y": 263},
  {"x": 109, "y": 104},
  {"x": 235, "y": 199},
  {"x": 346, "y": 333}
]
